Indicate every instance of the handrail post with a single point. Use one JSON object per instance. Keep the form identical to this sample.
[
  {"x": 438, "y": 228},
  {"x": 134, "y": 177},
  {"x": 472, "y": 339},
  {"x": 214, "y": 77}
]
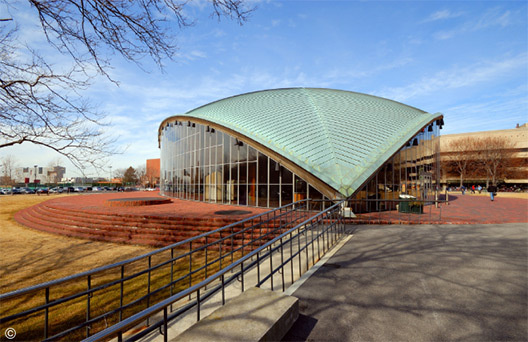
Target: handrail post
[
  {"x": 206, "y": 259},
  {"x": 282, "y": 264},
  {"x": 122, "y": 290},
  {"x": 88, "y": 295},
  {"x": 148, "y": 286},
  {"x": 165, "y": 328},
  {"x": 242, "y": 275},
  {"x": 198, "y": 304},
  {"x": 172, "y": 274},
  {"x": 223, "y": 290},
  {"x": 258, "y": 269},
  {"x": 190, "y": 267},
  {"x": 46, "y": 319}
]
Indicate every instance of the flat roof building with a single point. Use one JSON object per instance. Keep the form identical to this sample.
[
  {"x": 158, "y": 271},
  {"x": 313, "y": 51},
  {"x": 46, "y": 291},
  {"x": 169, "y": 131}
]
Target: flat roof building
[
  {"x": 514, "y": 162},
  {"x": 272, "y": 147}
]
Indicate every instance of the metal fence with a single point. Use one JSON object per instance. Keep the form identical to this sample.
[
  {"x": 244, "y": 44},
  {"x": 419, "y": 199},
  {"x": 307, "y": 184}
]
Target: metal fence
[
  {"x": 109, "y": 300},
  {"x": 275, "y": 264}
]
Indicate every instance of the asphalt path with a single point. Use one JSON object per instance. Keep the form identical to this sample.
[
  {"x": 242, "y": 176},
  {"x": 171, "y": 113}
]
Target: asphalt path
[{"x": 420, "y": 283}]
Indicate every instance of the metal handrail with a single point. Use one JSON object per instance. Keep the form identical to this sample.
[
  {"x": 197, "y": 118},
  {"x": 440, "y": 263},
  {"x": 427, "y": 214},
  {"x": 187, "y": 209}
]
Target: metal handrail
[
  {"x": 131, "y": 260},
  {"x": 279, "y": 214},
  {"x": 126, "y": 324}
]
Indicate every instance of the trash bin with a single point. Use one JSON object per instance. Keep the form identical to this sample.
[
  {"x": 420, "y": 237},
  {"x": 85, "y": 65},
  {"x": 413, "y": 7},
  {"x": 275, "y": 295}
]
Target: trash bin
[{"x": 409, "y": 205}]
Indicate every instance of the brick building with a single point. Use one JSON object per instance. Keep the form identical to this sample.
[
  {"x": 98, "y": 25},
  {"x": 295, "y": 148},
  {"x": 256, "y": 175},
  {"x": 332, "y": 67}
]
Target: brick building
[{"x": 517, "y": 163}]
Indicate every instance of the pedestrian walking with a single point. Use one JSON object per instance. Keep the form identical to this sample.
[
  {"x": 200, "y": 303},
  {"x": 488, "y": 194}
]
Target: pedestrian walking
[
  {"x": 473, "y": 189},
  {"x": 492, "y": 189},
  {"x": 479, "y": 188},
  {"x": 463, "y": 188}
]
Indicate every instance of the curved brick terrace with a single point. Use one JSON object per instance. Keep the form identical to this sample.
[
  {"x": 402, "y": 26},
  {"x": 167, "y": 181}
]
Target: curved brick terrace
[
  {"x": 90, "y": 217},
  {"x": 462, "y": 209}
]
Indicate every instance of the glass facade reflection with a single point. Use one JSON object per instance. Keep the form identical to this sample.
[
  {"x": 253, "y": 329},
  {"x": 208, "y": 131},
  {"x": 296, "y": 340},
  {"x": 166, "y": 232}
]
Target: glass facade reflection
[
  {"x": 202, "y": 163},
  {"x": 205, "y": 164},
  {"x": 414, "y": 170}
]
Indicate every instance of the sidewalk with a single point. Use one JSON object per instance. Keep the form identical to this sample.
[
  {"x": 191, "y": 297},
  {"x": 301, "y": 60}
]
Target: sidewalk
[
  {"x": 435, "y": 283},
  {"x": 461, "y": 209}
]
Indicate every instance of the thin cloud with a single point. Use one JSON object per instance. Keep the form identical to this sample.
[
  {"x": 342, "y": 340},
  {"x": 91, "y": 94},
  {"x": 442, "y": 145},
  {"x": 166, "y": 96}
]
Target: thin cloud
[
  {"x": 442, "y": 15},
  {"x": 457, "y": 78},
  {"x": 492, "y": 18}
]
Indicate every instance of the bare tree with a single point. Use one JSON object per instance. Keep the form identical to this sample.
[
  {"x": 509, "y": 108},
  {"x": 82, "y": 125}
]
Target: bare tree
[
  {"x": 494, "y": 156},
  {"x": 141, "y": 173},
  {"x": 460, "y": 157},
  {"x": 43, "y": 104},
  {"x": 9, "y": 164},
  {"x": 119, "y": 173}
]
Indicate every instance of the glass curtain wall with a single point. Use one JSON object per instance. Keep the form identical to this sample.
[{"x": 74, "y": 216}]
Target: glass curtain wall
[
  {"x": 204, "y": 164},
  {"x": 414, "y": 170}
]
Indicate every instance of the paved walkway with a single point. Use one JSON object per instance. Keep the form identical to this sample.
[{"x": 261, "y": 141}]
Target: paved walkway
[
  {"x": 462, "y": 209},
  {"x": 427, "y": 283}
]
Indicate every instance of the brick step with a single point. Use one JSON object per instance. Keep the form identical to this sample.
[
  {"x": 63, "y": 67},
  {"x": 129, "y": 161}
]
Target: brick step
[
  {"x": 137, "y": 222},
  {"x": 142, "y": 220},
  {"x": 130, "y": 224},
  {"x": 142, "y": 228},
  {"x": 135, "y": 239},
  {"x": 123, "y": 217},
  {"x": 28, "y": 221},
  {"x": 31, "y": 217}
]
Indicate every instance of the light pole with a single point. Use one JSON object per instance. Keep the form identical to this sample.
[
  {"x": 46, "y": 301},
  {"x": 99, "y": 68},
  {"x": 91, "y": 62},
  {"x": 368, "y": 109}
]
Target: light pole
[{"x": 35, "y": 176}]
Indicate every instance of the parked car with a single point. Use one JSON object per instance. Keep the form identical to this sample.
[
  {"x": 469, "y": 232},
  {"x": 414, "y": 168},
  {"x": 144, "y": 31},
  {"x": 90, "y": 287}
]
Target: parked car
[
  {"x": 5, "y": 191},
  {"x": 56, "y": 190},
  {"x": 120, "y": 189},
  {"x": 78, "y": 189},
  {"x": 27, "y": 191},
  {"x": 43, "y": 191}
]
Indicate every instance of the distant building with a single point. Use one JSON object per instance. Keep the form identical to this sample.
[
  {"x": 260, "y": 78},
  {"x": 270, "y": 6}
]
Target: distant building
[
  {"x": 153, "y": 172},
  {"x": 39, "y": 174},
  {"x": 517, "y": 172}
]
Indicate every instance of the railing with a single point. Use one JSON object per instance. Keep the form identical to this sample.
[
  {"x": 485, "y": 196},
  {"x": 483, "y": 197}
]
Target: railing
[
  {"x": 78, "y": 306},
  {"x": 276, "y": 263},
  {"x": 397, "y": 210}
]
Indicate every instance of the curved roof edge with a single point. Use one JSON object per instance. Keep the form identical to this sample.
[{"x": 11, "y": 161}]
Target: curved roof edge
[{"x": 349, "y": 190}]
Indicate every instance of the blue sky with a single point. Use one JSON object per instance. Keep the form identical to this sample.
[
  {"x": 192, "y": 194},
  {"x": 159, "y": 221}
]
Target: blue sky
[{"x": 465, "y": 59}]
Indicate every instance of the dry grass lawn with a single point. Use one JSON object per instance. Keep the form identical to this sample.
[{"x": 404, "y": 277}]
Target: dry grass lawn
[{"x": 30, "y": 257}]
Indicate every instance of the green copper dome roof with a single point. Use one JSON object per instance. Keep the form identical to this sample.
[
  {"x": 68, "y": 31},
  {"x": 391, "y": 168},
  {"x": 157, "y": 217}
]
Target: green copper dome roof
[{"x": 341, "y": 137}]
